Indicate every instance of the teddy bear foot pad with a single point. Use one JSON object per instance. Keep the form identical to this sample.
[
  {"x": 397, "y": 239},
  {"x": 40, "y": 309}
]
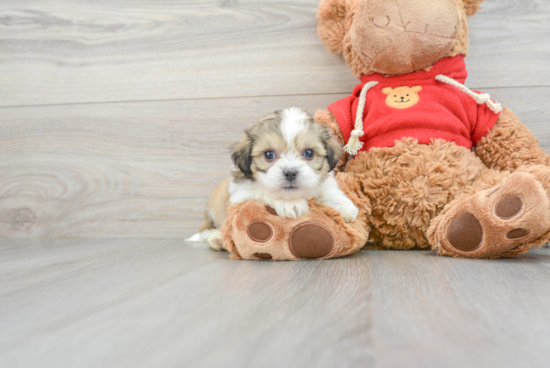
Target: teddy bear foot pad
[
  {"x": 495, "y": 221},
  {"x": 308, "y": 240}
]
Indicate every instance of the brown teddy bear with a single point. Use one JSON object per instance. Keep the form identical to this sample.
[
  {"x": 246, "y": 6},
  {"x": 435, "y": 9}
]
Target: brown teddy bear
[{"x": 430, "y": 163}]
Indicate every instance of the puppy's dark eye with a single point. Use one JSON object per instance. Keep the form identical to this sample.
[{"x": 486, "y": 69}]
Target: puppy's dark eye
[
  {"x": 309, "y": 154},
  {"x": 269, "y": 155}
]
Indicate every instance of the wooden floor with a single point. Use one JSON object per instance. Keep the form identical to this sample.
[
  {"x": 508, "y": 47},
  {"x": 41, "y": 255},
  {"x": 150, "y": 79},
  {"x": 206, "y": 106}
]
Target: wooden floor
[
  {"x": 115, "y": 122},
  {"x": 160, "y": 303},
  {"x": 116, "y": 117}
]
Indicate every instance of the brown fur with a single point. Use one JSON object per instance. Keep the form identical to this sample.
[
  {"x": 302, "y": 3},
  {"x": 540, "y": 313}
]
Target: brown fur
[
  {"x": 326, "y": 118},
  {"x": 247, "y": 154},
  {"x": 328, "y": 150},
  {"x": 408, "y": 194},
  {"x": 349, "y": 238},
  {"x": 510, "y": 145},
  {"x": 336, "y": 18},
  {"x": 481, "y": 202},
  {"x": 471, "y": 6},
  {"x": 216, "y": 206},
  {"x": 410, "y": 184}
]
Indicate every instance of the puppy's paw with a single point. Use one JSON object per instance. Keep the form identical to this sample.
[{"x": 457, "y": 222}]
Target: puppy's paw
[
  {"x": 349, "y": 212},
  {"x": 291, "y": 209},
  {"x": 345, "y": 206},
  {"x": 213, "y": 238}
]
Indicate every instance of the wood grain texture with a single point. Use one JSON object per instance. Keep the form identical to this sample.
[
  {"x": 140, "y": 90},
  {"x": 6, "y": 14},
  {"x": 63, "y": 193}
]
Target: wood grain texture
[
  {"x": 63, "y": 51},
  {"x": 139, "y": 303},
  {"x": 143, "y": 170},
  {"x": 122, "y": 170},
  {"x": 116, "y": 119}
]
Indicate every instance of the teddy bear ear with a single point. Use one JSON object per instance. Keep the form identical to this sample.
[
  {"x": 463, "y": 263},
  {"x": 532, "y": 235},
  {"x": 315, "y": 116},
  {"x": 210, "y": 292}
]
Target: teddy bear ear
[
  {"x": 472, "y": 6},
  {"x": 417, "y": 89},
  {"x": 387, "y": 90},
  {"x": 332, "y": 24}
]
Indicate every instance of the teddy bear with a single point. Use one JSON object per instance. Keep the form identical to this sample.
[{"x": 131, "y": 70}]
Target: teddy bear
[{"x": 429, "y": 163}]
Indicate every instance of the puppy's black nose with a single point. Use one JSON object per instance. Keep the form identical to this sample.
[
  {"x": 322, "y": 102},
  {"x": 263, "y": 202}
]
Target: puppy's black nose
[{"x": 290, "y": 174}]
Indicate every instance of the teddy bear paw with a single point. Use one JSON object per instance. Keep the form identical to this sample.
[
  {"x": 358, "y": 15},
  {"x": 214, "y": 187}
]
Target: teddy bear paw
[
  {"x": 307, "y": 240},
  {"x": 498, "y": 220},
  {"x": 256, "y": 231}
]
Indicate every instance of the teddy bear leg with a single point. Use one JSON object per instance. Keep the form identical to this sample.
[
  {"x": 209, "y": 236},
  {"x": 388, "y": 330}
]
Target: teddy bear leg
[
  {"x": 254, "y": 231},
  {"x": 505, "y": 220}
]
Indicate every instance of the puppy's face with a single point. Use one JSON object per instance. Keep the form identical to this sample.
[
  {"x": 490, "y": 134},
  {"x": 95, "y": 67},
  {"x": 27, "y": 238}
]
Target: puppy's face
[{"x": 287, "y": 153}]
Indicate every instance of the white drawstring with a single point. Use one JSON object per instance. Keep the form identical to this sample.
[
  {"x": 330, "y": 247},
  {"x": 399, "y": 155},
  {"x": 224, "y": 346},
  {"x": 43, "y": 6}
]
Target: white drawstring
[
  {"x": 354, "y": 144},
  {"x": 481, "y": 99}
]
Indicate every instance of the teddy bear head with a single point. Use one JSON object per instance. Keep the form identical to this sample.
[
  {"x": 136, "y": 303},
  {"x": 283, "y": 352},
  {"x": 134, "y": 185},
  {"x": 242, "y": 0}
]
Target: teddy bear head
[{"x": 395, "y": 37}]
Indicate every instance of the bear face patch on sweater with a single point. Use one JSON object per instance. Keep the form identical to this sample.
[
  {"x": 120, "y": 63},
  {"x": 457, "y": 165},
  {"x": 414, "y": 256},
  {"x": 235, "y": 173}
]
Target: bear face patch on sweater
[
  {"x": 440, "y": 110},
  {"x": 402, "y": 97}
]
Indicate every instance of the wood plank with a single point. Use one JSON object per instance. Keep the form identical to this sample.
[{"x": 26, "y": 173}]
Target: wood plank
[
  {"x": 58, "y": 52},
  {"x": 122, "y": 170},
  {"x": 431, "y": 311},
  {"x": 48, "y": 262},
  {"x": 506, "y": 36},
  {"x": 532, "y": 111},
  {"x": 141, "y": 308},
  {"x": 142, "y": 170},
  {"x": 127, "y": 303}
]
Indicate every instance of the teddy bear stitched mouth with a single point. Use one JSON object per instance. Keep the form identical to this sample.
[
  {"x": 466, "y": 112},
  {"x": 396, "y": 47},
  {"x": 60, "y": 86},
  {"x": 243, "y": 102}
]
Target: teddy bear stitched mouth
[{"x": 401, "y": 36}]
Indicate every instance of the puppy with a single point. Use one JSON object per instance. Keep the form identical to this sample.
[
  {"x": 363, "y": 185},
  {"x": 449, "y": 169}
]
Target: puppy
[{"x": 284, "y": 160}]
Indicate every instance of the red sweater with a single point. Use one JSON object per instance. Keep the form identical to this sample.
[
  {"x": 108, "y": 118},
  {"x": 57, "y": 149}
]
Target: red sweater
[{"x": 417, "y": 105}]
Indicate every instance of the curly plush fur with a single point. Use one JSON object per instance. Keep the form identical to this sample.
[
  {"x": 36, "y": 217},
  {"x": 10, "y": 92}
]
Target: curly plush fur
[
  {"x": 488, "y": 203},
  {"x": 415, "y": 188},
  {"x": 411, "y": 187},
  {"x": 510, "y": 145}
]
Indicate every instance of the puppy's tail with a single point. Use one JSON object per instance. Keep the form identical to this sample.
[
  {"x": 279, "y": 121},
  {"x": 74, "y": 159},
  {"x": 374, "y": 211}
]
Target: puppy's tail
[
  {"x": 195, "y": 238},
  {"x": 212, "y": 237},
  {"x": 202, "y": 236}
]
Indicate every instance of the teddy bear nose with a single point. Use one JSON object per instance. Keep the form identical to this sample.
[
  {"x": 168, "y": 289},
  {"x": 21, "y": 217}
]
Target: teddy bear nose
[{"x": 402, "y": 36}]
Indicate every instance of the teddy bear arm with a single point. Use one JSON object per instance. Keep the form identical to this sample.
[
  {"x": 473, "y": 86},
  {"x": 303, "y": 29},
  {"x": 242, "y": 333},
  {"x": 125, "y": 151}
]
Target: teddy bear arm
[
  {"x": 255, "y": 231},
  {"x": 510, "y": 145},
  {"x": 328, "y": 119}
]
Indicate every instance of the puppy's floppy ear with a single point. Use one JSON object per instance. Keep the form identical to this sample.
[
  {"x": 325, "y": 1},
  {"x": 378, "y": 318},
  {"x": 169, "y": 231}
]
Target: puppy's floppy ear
[
  {"x": 471, "y": 6},
  {"x": 242, "y": 154},
  {"x": 333, "y": 25},
  {"x": 333, "y": 148}
]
